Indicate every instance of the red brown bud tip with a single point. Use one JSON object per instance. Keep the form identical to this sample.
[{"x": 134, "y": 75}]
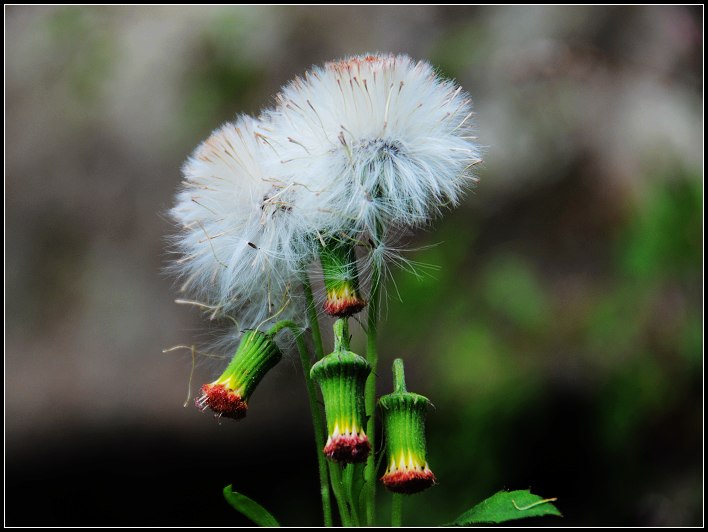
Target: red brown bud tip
[
  {"x": 348, "y": 448},
  {"x": 223, "y": 401},
  {"x": 343, "y": 302},
  {"x": 408, "y": 481}
]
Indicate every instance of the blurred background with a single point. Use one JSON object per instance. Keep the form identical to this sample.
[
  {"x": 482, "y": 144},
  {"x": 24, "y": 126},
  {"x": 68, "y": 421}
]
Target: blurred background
[{"x": 560, "y": 339}]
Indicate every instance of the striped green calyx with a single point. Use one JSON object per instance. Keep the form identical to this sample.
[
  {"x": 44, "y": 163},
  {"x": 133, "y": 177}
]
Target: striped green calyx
[
  {"x": 342, "y": 376},
  {"x": 404, "y": 429},
  {"x": 228, "y": 395},
  {"x": 341, "y": 277}
]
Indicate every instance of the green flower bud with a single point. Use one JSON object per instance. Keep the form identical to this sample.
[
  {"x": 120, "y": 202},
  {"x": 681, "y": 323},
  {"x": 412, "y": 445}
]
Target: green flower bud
[
  {"x": 228, "y": 395},
  {"x": 404, "y": 428},
  {"x": 342, "y": 376},
  {"x": 341, "y": 278}
]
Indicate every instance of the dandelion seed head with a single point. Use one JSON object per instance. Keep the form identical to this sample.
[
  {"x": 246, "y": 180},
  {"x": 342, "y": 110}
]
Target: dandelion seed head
[
  {"x": 241, "y": 237},
  {"x": 383, "y": 137}
]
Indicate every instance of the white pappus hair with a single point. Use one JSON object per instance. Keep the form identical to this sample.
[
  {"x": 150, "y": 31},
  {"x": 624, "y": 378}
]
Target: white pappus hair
[{"x": 242, "y": 240}]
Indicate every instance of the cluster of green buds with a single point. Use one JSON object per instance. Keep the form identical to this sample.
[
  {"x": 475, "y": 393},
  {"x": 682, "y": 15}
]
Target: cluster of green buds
[
  {"x": 339, "y": 269},
  {"x": 342, "y": 377},
  {"x": 404, "y": 428},
  {"x": 228, "y": 395}
]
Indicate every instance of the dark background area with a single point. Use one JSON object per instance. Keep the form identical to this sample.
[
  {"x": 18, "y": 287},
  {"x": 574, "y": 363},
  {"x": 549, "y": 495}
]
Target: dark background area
[{"x": 559, "y": 336}]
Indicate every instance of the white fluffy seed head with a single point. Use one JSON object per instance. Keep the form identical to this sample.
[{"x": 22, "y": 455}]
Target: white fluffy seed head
[
  {"x": 242, "y": 239},
  {"x": 382, "y": 138}
]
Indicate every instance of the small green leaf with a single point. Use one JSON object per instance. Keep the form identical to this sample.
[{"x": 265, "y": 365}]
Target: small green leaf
[
  {"x": 250, "y": 508},
  {"x": 507, "y": 506}
]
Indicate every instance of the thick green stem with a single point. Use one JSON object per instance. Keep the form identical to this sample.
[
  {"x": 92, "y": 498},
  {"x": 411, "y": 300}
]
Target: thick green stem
[
  {"x": 348, "y": 487},
  {"x": 341, "y": 335},
  {"x": 312, "y": 318},
  {"x": 370, "y": 392},
  {"x": 396, "y": 510},
  {"x": 285, "y": 324},
  {"x": 316, "y": 415},
  {"x": 399, "y": 376},
  {"x": 335, "y": 473}
]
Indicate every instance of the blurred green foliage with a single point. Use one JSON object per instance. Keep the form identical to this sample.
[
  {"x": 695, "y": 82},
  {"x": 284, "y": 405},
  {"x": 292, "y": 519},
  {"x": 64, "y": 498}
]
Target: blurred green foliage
[
  {"x": 662, "y": 241},
  {"x": 87, "y": 52},
  {"x": 462, "y": 47},
  {"x": 503, "y": 342},
  {"x": 225, "y": 78}
]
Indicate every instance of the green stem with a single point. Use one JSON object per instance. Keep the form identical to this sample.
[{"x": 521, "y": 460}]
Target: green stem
[
  {"x": 396, "y": 510},
  {"x": 285, "y": 324},
  {"x": 345, "y": 333},
  {"x": 341, "y": 334},
  {"x": 370, "y": 394},
  {"x": 348, "y": 484},
  {"x": 312, "y": 318},
  {"x": 316, "y": 414},
  {"x": 335, "y": 473},
  {"x": 399, "y": 376}
]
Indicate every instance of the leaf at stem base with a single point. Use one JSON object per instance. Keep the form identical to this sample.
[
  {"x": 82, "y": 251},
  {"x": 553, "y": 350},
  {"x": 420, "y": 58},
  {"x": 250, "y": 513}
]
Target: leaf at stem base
[
  {"x": 507, "y": 506},
  {"x": 250, "y": 508}
]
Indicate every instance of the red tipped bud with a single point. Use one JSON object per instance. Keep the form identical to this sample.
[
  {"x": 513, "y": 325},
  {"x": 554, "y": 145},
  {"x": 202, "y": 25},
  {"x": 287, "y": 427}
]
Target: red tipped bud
[{"x": 228, "y": 395}]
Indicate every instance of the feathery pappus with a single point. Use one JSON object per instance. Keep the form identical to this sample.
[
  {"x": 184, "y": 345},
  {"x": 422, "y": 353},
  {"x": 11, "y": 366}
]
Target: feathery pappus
[
  {"x": 384, "y": 138},
  {"x": 242, "y": 239}
]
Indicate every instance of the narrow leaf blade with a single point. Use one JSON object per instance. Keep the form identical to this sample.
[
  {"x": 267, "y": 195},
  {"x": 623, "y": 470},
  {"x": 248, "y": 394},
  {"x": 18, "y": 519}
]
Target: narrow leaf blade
[
  {"x": 507, "y": 506},
  {"x": 248, "y": 507}
]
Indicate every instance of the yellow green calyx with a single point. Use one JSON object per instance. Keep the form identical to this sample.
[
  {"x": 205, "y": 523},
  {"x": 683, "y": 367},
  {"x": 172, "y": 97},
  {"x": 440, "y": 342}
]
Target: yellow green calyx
[
  {"x": 341, "y": 278},
  {"x": 404, "y": 428}
]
